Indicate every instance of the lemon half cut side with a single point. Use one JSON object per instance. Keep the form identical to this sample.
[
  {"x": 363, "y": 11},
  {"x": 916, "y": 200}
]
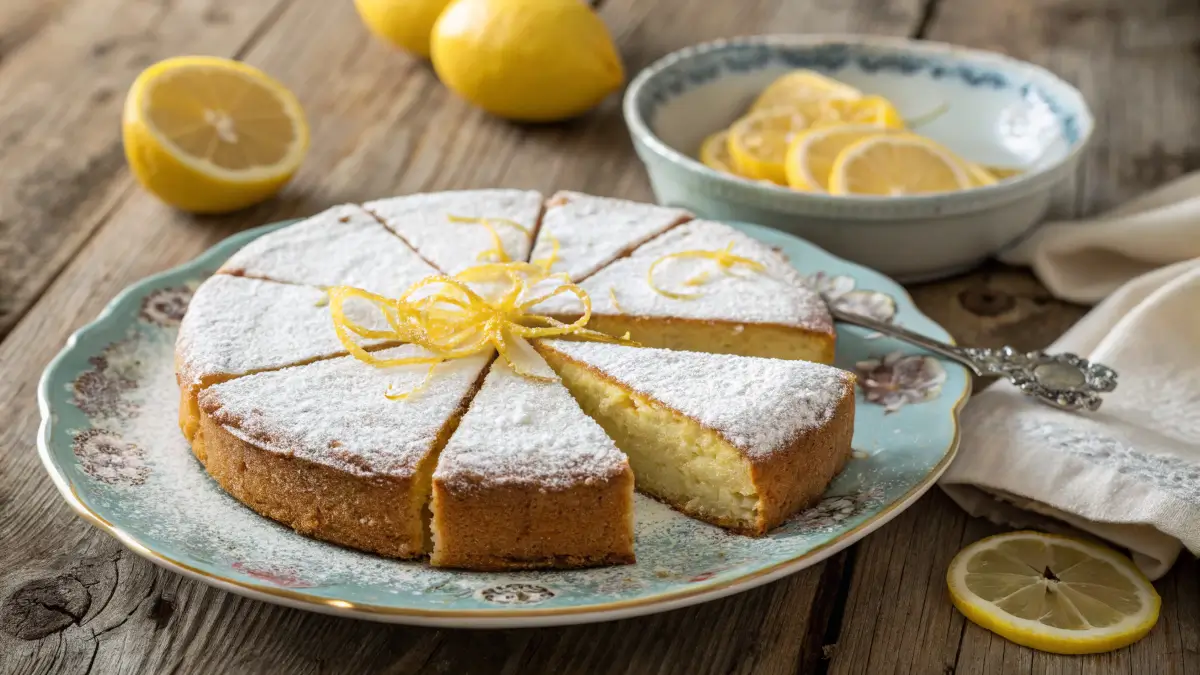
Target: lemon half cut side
[
  {"x": 1053, "y": 593},
  {"x": 210, "y": 135}
]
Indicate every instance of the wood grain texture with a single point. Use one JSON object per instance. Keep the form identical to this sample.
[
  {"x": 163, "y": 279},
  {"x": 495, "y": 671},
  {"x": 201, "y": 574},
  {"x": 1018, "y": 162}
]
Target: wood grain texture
[
  {"x": 64, "y": 69},
  {"x": 72, "y": 600}
]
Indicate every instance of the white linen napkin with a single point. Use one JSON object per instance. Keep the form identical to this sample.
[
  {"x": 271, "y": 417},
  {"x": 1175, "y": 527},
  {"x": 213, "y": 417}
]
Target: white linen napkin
[{"x": 1129, "y": 473}]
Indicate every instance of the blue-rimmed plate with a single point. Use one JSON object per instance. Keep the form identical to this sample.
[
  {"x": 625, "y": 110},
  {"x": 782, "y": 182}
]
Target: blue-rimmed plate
[{"x": 110, "y": 441}]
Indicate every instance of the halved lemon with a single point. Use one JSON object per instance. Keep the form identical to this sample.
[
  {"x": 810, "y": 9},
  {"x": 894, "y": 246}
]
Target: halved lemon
[
  {"x": 802, "y": 85},
  {"x": 759, "y": 142},
  {"x": 210, "y": 135},
  {"x": 811, "y": 155},
  {"x": 1053, "y": 593},
  {"x": 894, "y": 165},
  {"x": 714, "y": 152}
]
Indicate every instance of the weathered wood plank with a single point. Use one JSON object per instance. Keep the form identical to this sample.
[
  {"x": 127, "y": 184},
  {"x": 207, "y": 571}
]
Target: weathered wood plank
[
  {"x": 381, "y": 125},
  {"x": 64, "y": 67}
]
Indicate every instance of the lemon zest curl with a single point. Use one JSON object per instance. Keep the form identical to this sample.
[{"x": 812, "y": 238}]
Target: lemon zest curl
[
  {"x": 724, "y": 258},
  {"x": 481, "y": 308}
]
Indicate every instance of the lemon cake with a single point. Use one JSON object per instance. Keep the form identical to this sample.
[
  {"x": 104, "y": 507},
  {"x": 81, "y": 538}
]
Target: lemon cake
[
  {"x": 344, "y": 245},
  {"x": 704, "y": 286},
  {"x": 320, "y": 448},
  {"x": 529, "y": 481},
  {"x": 736, "y": 441},
  {"x": 460, "y": 229},
  {"x": 487, "y": 467},
  {"x": 581, "y": 233}
]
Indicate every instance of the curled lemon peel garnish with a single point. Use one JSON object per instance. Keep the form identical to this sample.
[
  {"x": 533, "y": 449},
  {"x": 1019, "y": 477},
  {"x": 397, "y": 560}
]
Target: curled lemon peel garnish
[
  {"x": 724, "y": 258},
  {"x": 548, "y": 262},
  {"x": 497, "y": 254},
  {"x": 482, "y": 308}
]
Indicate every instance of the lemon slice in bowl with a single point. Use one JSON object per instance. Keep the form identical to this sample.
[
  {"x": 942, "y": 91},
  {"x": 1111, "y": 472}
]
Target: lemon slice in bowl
[
  {"x": 896, "y": 164},
  {"x": 802, "y": 85},
  {"x": 1053, "y": 593},
  {"x": 875, "y": 110},
  {"x": 759, "y": 142},
  {"x": 812, "y": 153},
  {"x": 210, "y": 135},
  {"x": 714, "y": 152},
  {"x": 980, "y": 176}
]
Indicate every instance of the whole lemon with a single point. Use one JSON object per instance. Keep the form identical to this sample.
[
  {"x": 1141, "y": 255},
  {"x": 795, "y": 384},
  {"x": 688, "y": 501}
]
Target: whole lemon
[
  {"x": 404, "y": 23},
  {"x": 526, "y": 60}
]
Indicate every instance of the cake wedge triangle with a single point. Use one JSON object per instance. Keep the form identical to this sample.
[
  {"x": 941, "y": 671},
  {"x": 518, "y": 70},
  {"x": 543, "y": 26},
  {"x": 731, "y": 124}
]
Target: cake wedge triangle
[
  {"x": 448, "y": 229},
  {"x": 740, "y": 442},
  {"x": 322, "y": 449},
  {"x": 528, "y": 481},
  {"x": 682, "y": 290},
  {"x": 581, "y": 233},
  {"x": 341, "y": 246}
]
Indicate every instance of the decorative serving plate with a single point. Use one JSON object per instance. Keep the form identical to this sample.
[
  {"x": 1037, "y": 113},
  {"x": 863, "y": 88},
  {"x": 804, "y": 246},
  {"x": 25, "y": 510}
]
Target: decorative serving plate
[{"x": 110, "y": 440}]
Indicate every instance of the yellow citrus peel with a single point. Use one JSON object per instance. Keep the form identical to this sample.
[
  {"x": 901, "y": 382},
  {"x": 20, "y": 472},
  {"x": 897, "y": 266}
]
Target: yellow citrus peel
[
  {"x": 724, "y": 258},
  {"x": 497, "y": 254},
  {"x": 481, "y": 308}
]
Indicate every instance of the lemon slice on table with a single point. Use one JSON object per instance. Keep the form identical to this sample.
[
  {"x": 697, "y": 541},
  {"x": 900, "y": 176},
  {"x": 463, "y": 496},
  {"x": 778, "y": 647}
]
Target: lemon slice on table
[
  {"x": 802, "y": 85},
  {"x": 894, "y": 165},
  {"x": 811, "y": 155},
  {"x": 210, "y": 135},
  {"x": 759, "y": 142},
  {"x": 714, "y": 152},
  {"x": 1053, "y": 593}
]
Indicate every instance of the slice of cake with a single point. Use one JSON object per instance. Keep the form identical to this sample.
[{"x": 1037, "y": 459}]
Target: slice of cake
[
  {"x": 459, "y": 229},
  {"x": 736, "y": 441},
  {"x": 581, "y": 233},
  {"x": 237, "y": 325},
  {"x": 528, "y": 481},
  {"x": 699, "y": 299},
  {"x": 321, "y": 448},
  {"x": 341, "y": 246}
]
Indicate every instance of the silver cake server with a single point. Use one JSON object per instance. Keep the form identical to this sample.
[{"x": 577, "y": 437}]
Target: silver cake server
[{"x": 1064, "y": 381}]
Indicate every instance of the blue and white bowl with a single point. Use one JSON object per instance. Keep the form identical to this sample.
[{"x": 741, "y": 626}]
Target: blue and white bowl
[{"x": 996, "y": 111}]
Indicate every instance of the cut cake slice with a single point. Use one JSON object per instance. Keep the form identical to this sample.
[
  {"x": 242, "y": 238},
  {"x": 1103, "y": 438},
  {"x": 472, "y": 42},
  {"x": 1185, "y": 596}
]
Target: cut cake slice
[
  {"x": 320, "y": 448},
  {"x": 529, "y": 481},
  {"x": 591, "y": 232},
  {"x": 341, "y": 246},
  {"x": 429, "y": 223},
  {"x": 736, "y": 441},
  {"x": 770, "y": 312},
  {"x": 235, "y": 326}
]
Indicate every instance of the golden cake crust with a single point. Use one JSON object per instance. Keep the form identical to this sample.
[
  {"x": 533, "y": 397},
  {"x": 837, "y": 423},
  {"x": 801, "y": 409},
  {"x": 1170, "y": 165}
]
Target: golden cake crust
[
  {"x": 366, "y": 513},
  {"x": 515, "y": 527}
]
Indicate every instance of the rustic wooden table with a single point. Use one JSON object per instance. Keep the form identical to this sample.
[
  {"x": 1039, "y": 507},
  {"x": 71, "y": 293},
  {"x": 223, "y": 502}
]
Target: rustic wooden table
[{"x": 75, "y": 229}]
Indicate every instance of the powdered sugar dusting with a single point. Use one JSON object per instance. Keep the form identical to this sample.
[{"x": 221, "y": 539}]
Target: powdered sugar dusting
[
  {"x": 520, "y": 431},
  {"x": 343, "y": 245},
  {"x": 335, "y": 413},
  {"x": 758, "y": 405},
  {"x": 778, "y": 294},
  {"x": 237, "y": 325},
  {"x": 423, "y": 221},
  {"x": 593, "y": 231}
]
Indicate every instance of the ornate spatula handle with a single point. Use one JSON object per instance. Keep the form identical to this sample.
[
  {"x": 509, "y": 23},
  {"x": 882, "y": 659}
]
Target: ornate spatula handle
[{"x": 1062, "y": 380}]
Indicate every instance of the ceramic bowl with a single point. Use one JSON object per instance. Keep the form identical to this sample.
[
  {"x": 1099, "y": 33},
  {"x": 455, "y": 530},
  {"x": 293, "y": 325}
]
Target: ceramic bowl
[{"x": 995, "y": 110}]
